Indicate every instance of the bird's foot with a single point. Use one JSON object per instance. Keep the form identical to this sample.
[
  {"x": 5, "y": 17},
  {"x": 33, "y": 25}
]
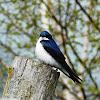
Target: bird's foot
[
  {"x": 56, "y": 69},
  {"x": 46, "y": 64}
]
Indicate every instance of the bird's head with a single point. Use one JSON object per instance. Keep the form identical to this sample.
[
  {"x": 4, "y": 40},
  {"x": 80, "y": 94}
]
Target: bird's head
[{"x": 45, "y": 35}]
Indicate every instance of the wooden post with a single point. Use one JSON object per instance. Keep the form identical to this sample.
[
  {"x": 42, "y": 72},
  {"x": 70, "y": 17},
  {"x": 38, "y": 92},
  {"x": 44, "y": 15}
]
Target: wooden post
[{"x": 31, "y": 80}]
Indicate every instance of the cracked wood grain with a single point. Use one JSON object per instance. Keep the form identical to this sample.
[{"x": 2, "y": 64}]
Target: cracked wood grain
[{"x": 31, "y": 80}]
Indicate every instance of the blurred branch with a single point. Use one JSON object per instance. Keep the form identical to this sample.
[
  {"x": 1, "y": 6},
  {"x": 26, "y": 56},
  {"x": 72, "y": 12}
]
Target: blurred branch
[
  {"x": 72, "y": 92},
  {"x": 5, "y": 2},
  {"x": 92, "y": 61},
  {"x": 4, "y": 64},
  {"x": 70, "y": 62},
  {"x": 52, "y": 15},
  {"x": 90, "y": 18},
  {"x": 74, "y": 42},
  {"x": 18, "y": 27},
  {"x": 71, "y": 17},
  {"x": 83, "y": 63},
  {"x": 93, "y": 94},
  {"x": 74, "y": 49},
  {"x": 67, "y": 10},
  {"x": 83, "y": 92},
  {"x": 95, "y": 40},
  {"x": 59, "y": 8},
  {"x": 8, "y": 48},
  {"x": 13, "y": 23}
]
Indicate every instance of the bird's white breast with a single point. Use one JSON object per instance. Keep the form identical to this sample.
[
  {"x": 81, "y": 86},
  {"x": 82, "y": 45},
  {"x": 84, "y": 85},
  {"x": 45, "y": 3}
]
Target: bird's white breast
[{"x": 43, "y": 55}]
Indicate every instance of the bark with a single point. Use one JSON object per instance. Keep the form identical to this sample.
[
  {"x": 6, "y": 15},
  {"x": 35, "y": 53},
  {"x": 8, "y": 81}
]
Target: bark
[{"x": 31, "y": 80}]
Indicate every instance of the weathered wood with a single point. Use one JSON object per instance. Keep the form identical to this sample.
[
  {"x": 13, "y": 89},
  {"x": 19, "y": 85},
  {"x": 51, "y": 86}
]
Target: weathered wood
[{"x": 31, "y": 80}]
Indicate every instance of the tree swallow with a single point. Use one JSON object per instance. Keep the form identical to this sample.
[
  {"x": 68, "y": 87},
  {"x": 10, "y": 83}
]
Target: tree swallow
[{"x": 49, "y": 53}]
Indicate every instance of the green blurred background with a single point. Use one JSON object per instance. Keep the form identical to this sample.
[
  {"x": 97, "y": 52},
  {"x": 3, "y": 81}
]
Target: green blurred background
[{"x": 75, "y": 26}]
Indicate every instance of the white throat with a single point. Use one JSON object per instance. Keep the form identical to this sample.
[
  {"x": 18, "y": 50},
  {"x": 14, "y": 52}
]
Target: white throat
[
  {"x": 43, "y": 55},
  {"x": 42, "y": 38}
]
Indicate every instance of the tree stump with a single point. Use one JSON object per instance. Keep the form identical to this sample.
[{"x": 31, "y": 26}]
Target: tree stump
[{"x": 31, "y": 80}]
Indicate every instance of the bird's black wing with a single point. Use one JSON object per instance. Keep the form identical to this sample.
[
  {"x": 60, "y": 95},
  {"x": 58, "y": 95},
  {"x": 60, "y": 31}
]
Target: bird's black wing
[{"x": 59, "y": 57}]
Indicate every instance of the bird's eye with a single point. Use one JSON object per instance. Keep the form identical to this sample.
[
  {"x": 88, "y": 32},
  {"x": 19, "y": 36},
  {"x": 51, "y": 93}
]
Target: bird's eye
[{"x": 48, "y": 36}]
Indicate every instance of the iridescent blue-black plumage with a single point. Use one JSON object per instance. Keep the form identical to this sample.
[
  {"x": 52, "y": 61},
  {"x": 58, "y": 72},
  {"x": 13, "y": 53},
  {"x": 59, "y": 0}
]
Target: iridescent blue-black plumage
[
  {"x": 53, "y": 50},
  {"x": 46, "y": 34}
]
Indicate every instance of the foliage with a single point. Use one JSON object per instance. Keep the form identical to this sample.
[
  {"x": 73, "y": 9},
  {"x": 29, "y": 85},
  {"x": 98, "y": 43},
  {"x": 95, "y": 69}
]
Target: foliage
[{"x": 74, "y": 25}]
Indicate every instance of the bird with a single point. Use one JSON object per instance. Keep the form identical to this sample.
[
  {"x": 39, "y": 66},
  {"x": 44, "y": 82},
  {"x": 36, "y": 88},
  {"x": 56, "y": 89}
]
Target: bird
[{"x": 48, "y": 52}]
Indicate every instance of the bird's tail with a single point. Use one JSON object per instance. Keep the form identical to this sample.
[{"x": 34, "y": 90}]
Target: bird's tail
[
  {"x": 74, "y": 77},
  {"x": 67, "y": 71}
]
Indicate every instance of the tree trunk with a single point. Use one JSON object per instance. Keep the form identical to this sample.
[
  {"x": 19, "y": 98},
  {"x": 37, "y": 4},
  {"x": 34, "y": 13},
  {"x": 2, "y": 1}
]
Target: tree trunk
[{"x": 31, "y": 80}]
